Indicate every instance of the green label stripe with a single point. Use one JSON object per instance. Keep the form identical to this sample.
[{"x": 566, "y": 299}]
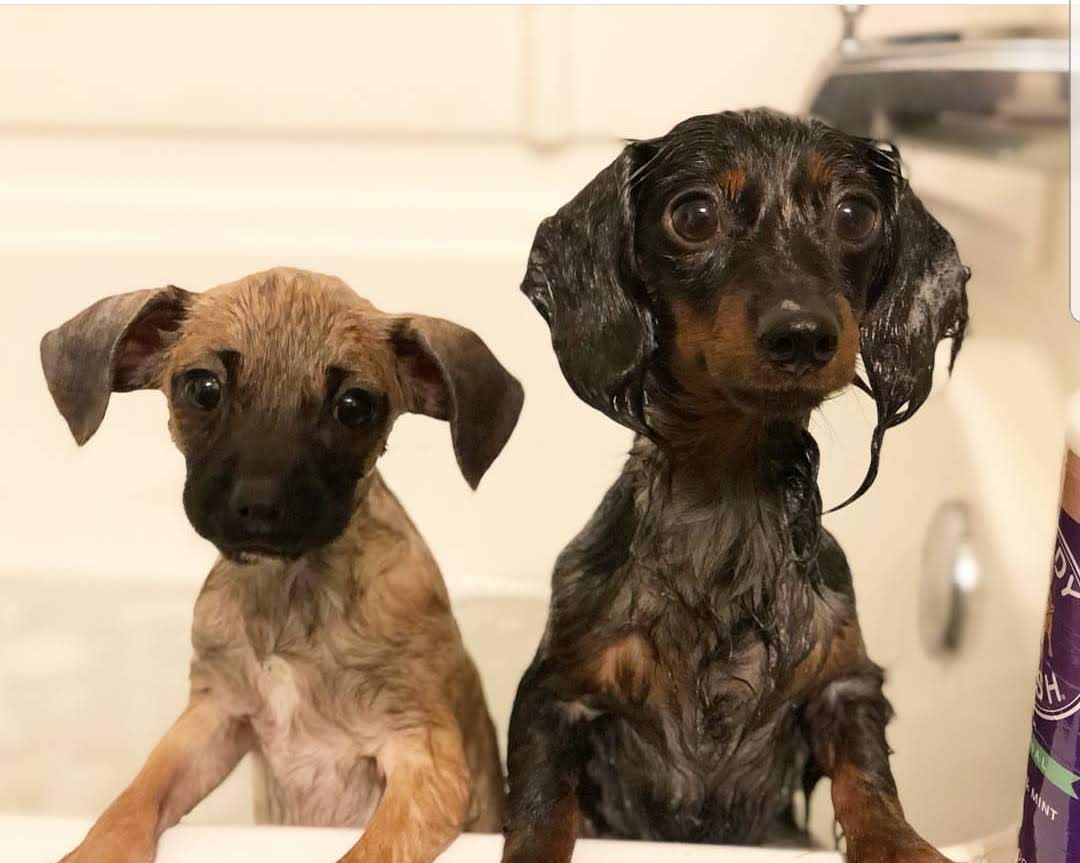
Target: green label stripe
[{"x": 1057, "y": 773}]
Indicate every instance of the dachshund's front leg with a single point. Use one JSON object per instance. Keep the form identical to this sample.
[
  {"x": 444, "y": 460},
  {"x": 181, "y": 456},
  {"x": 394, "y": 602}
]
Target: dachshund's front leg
[
  {"x": 196, "y": 754},
  {"x": 543, "y": 817},
  {"x": 846, "y": 724},
  {"x": 427, "y": 794}
]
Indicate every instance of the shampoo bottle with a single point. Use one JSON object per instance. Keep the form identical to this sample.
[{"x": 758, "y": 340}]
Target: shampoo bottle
[{"x": 1050, "y": 831}]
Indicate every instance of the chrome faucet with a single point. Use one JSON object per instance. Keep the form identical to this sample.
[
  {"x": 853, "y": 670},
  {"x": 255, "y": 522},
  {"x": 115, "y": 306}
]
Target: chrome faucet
[{"x": 849, "y": 42}]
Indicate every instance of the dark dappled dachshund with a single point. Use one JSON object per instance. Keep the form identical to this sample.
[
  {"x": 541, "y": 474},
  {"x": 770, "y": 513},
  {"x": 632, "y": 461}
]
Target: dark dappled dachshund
[{"x": 702, "y": 660}]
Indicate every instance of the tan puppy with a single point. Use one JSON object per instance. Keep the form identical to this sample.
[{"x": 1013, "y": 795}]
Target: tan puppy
[{"x": 323, "y": 638}]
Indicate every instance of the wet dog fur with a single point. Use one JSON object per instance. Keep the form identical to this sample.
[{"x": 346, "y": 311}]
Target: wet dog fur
[
  {"x": 324, "y": 642},
  {"x": 702, "y": 661}
]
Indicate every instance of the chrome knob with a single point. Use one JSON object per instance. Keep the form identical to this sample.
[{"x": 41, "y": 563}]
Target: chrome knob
[{"x": 950, "y": 580}]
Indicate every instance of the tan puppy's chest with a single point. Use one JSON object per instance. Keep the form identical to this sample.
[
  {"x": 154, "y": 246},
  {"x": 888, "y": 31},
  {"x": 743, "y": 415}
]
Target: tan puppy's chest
[
  {"x": 317, "y": 732},
  {"x": 314, "y": 770},
  {"x": 275, "y": 685}
]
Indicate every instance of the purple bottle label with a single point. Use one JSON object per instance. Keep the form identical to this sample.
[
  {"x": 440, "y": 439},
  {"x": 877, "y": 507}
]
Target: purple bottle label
[{"x": 1051, "y": 827}]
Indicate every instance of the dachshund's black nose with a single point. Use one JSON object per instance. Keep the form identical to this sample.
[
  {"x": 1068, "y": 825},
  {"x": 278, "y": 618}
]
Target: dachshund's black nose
[
  {"x": 797, "y": 340},
  {"x": 257, "y": 505}
]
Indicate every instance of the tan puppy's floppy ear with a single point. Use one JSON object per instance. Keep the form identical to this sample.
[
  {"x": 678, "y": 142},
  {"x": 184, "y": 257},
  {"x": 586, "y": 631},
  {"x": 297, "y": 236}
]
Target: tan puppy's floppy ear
[
  {"x": 447, "y": 372},
  {"x": 113, "y": 346}
]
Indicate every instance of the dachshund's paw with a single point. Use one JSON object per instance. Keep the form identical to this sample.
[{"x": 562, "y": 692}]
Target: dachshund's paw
[
  {"x": 888, "y": 855},
  {"x": 903, "y": 847}
]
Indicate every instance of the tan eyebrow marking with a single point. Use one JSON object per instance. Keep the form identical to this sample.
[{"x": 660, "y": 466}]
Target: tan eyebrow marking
[
  {"x": 732, "y": 181},
  {"x": 821, "y": 173}
]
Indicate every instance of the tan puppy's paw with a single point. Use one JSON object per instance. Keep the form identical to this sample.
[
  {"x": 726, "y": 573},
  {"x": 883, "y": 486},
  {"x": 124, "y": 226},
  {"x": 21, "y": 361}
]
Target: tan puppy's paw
[
  {"x": 124, "y": 834},
  {"x": 111, "y": 849}
]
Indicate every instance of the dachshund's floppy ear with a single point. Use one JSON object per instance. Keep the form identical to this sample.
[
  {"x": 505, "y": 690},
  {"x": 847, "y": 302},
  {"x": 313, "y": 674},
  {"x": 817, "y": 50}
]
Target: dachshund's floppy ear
[
  {"x": 447, "y": 372},
  {"x": 920, "y": 300},
  {"x": 581, "y": 278},
  {"x": 115, "y": 345}
]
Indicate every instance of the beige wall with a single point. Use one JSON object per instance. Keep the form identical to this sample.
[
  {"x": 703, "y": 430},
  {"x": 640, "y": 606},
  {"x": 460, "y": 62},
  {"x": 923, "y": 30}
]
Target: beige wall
[
  {"x": 547, "y": 75},
  {"x": 411, "y": 151}
]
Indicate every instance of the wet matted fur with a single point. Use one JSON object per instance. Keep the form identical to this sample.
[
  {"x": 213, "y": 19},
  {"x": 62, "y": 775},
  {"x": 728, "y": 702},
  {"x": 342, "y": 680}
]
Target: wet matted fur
[
  {"x": 323, "y": 638},
  {"x": 702, "y": 660}
]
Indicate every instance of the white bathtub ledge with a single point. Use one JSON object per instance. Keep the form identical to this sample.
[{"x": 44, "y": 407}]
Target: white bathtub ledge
[{"x": 26, "y": 839}]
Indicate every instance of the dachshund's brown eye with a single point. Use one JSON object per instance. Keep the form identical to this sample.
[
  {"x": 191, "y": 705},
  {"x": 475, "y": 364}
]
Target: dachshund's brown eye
[
  {"x": 202, "y": 389},
  {"x": 694, "y": 220},
  {"x": 856, "y": 220},
  {"x": 355, "y": 409}
]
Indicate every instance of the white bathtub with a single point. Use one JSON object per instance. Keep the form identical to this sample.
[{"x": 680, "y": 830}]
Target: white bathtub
[
  {"x": 100, "y": 568},
  {"x": 94, "y": 669},
  {"x": 44, "y": 840}
]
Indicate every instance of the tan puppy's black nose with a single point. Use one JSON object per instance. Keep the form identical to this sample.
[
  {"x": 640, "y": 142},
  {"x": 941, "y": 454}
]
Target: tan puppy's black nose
[
  {"x": 257, "y": 505},
  {"x": 797, "y": 341}
]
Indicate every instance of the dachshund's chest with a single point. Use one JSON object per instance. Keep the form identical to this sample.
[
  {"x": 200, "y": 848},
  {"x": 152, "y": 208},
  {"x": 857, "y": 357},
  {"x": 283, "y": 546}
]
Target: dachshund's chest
[
  {"x": 712, "y": 752},
  {"x": 725, "y": 782},
  {"x": 716, "y": 760}
]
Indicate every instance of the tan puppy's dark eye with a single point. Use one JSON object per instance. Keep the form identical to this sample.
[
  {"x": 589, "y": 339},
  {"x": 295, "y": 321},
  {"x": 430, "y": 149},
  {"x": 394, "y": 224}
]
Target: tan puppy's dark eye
[
  {"x": 856, "y": 220},
  {"x": 356, "y": 408},
  {"x": 694, "y": 219},
  {"x": 202, "y": 389}
]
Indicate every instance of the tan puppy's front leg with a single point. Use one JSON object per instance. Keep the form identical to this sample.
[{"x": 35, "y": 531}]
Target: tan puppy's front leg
[
  {"x": 427, "y": 795},
  {"x": 196, "y": 754}
]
